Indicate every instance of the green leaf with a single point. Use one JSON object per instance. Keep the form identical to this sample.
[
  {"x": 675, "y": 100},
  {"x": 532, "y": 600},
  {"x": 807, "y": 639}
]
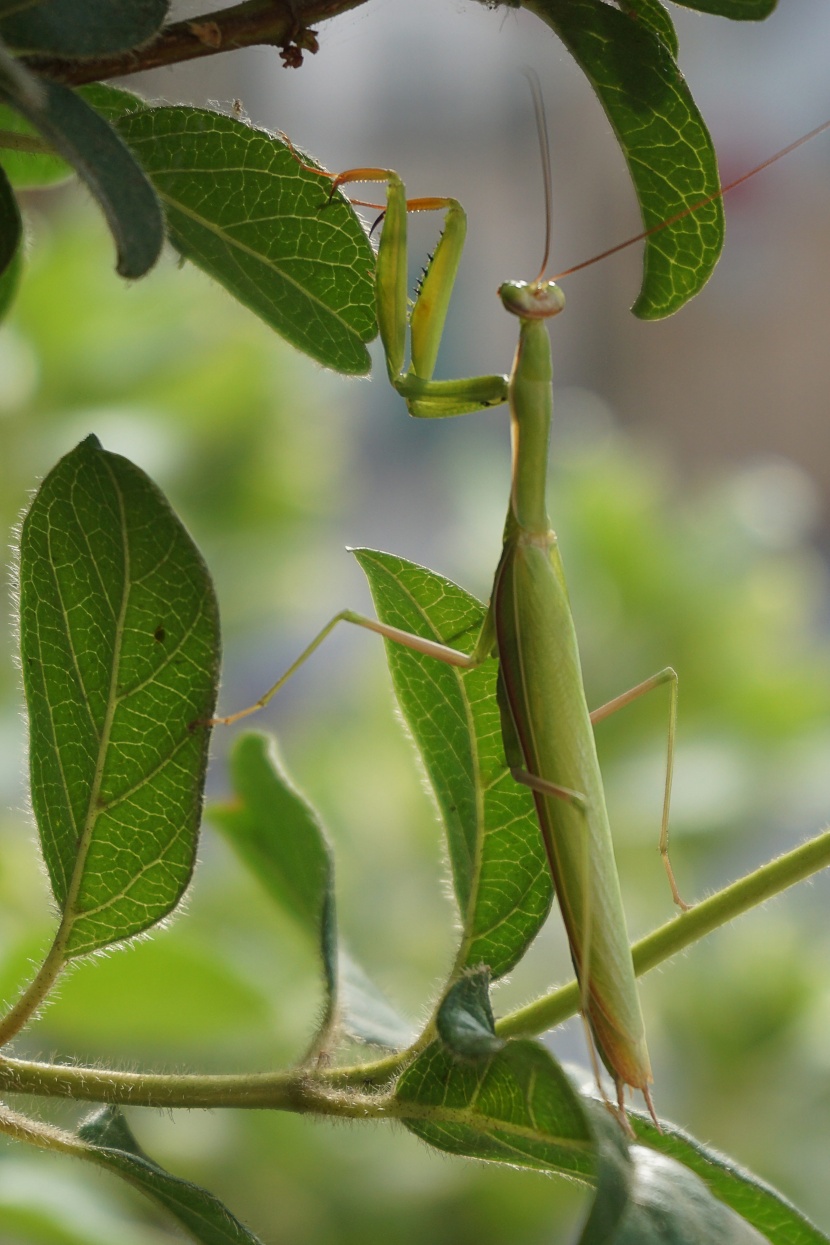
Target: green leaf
[
  {"x": 99, "y": 156},
  {"x": 241, "y": 206},
  {"x": 500, "y": 873},
  {"x": 738, "y": 10},
  {"x": 366, "y": 1013},
  {"x": 757, "y": 1202},
  {"x": 11, "y": 226},
  {"x": 81, "y": 27},
  {"x": 670, "y": 1205},
  {"x": 656, "y": 17},
  {"x": 111, "y": 1144},
  {"x": 666, "y": 145},
  {"x": 517, "y": 1107},
  {"x": 465, "y": 1018},
  {"x": 119, "y": 644},
  {"x": 281, "y": 839},
  {"x": 27, "y": 168}
]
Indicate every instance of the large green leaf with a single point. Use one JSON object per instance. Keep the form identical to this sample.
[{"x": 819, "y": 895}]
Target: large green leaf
[
  {"x": 81, "y": 27},
  {"x": 98, "y": 155},
  {"x": 662, "y": 135},
  {"x": 500, "y": 874},
  {"x": 109, "y": 1142},
  {"x": 756, "y": 1201},
  {"x": 119, "y": 642},
  {"x": 281, "y": 839},
  {"x": 241, "y": 206}
]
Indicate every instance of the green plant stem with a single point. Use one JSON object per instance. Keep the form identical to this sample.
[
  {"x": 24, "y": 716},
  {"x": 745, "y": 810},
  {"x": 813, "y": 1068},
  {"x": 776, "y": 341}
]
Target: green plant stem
[
  {"x": 287, "y": 1091},
  {"x": 682, "y": 931},
  {"x": 341, "y": 1091},
  {"x": 35, "y": 993},
  {"x": 281, "y": 23}
]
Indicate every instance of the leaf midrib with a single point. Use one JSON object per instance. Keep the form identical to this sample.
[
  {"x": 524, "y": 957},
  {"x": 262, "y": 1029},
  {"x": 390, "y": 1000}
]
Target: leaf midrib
[{"x": 69, "y": 914}]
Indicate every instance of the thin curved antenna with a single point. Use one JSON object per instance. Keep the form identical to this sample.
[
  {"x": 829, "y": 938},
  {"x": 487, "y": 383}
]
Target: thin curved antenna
[
  {"x": 544, "y": 154},
  {"x": 695, "y": 207}
]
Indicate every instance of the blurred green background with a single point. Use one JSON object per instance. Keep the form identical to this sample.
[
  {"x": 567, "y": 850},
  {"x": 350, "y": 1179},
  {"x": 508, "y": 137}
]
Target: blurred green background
[{"x": 275, "y": 466}]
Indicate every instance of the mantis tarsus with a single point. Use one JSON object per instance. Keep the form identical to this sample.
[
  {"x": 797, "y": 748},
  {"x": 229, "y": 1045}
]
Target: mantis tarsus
[{"x": 546, "y": 725}]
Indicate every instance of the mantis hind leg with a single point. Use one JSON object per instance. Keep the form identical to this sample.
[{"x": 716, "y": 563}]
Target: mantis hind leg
[
  {"x": 430, "y": 648},
  {"x": 669, "y": 675}
]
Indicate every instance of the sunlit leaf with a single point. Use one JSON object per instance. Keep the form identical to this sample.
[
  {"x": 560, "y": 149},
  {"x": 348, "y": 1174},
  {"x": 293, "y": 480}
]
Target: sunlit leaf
[
  {"x": 241, "y": 206},
  {"x": 500, "y": 874},
  {"x": 656, "y": 17},
  {"x": 119, "y": 643}
]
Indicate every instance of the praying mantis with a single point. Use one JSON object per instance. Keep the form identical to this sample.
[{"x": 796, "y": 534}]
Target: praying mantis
[
  {"x": 547, "y": 728},
  {"x": 546, "y": 724}
]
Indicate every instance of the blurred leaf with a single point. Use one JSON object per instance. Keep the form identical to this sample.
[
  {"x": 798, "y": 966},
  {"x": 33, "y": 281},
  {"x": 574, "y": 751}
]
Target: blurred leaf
[
  {"x": 666, "y": 145},
  {"x": 11, "y": 226},
  {"x": 281, "y": 839},
  {"x": 241, "y": 206},
  {"x": 170, "y": 994},
  {"x": 738, "y": 10},
  {"x": 20, "y": 83},
  {"x": 56, "y": 1209},
  {"x": 81, "y": 27},
  {"x": 754, "y": 1200},
  {"x": 656, "y": 17},
  {"x": 500, "y": 873},
  {"x": 113, "y": 1146},
  {"x": 366, "y": 1012},
  {"x": 99, "y": 156},
  {"x": 119, "y": 643},
  {"x": 28, "y": 168},
  {"x": 465, "y": 1018}
]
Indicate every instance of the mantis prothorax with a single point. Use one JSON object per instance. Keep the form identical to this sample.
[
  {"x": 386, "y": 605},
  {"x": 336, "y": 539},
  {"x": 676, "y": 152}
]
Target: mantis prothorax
[{"x": 546, "y": 725}]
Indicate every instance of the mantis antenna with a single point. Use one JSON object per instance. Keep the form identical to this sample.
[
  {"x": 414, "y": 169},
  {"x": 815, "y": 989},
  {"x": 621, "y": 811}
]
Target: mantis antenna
[
  {"x": 695, "y": 207},
  {"x": 544, "y": 156}
]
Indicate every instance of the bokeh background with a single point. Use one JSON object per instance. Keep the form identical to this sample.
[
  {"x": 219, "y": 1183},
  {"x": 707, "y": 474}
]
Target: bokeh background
[{"x": 691, "y": 466}]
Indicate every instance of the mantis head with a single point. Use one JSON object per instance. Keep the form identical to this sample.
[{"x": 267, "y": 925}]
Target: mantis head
[{"x": 532, "y": 300}]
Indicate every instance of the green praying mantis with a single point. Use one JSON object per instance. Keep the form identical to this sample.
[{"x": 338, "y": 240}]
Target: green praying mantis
[{"x": 547, "y": 728}]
